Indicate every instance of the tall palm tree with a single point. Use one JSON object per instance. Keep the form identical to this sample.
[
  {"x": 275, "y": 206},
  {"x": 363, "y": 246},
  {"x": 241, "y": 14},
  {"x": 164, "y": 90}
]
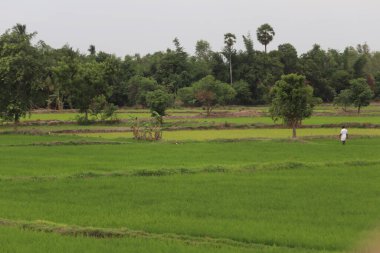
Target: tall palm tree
[
  {"x": 265, "y": 34},
  {"x": 229, "y": 41}
]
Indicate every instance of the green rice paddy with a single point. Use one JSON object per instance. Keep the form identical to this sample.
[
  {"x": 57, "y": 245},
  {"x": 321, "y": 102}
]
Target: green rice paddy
[{"x": 215, "y": 190}]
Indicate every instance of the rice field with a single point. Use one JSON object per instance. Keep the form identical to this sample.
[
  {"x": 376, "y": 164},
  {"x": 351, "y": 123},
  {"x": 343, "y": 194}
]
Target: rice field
[{"x": 212, "y": 190}]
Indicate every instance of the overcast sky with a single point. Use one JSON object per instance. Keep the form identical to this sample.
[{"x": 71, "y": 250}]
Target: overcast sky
[{"x": 145, "y": 26}]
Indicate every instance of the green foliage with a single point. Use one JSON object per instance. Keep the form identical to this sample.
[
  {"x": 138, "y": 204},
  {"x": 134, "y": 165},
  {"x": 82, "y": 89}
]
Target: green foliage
[
  {"x": 318, "y": 67},
  {"x": 209, "y": 92},
  {"x": 55, "y": 78},
  {"x": 243, "y": 92},
  {"x": 19, "y": 73},
  {"x": 265, "y": 34},
  {"x": 292, "y": 100},
  {"x": 158, "y": 101},
  {"x": 101, "y": 109},
  {"x": 138, "y": 87},
  {"x": 289, "y": 58},
  {"x": 186, "y": 95},
  {"x": 90, "y": 83},
  {"x": 344, "y": 99},
  {"x": 361, "y": 93}
]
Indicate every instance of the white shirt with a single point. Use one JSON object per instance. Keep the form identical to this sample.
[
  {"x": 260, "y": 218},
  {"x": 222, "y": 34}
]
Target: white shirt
[{"x": 343, "y": 134}]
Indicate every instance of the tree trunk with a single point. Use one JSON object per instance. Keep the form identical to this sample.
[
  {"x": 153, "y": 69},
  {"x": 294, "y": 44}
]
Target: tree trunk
[
  {"x": 16, "y": 122},
  {"x": 359, "y": 109},
  {"x": 294, "y": 129},
  {"x": 230, "y": 70},
  {"x": 265, "y": 46},
  {"x": 208, "y": 110}
]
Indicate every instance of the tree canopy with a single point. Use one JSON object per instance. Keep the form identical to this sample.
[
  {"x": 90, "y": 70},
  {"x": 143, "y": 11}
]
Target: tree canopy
[
  {"x": 40, "y": 76},
  {"x": 292, "y": 100}
]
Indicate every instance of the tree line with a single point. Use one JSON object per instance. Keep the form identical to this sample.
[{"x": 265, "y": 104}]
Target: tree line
[{"x": 35, "y": 75}]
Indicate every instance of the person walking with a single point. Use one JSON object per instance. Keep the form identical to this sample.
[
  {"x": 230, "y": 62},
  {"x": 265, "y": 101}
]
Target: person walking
[{"x": 343, "y": 135}]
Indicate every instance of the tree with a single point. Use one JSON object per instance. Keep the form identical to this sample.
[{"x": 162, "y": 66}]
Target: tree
[
  {"x": 20, "y": 70},
  {"x": 359, "y": 66},
  {"x": 203, "y": 50},
  {"x": 243, "y": 93},
  {"x": 248, "y": 43},
  {"x": 229, "y": 41},
  {"x": 292, "y": 101},
  {"x": 265, "y": 34},
  {"x": 90, "y": 83},
  {"x": 361, "y": 93},
  {"x": 63, "y": 74},
  {"x": 344, "y": 99},
  {"x": 92, "y": 50},
  {"x": 158, "y": 101},
  {"x": 288, "y": 57},
  {"x": 186, "y": 95},
  {"x": 318, "y": 67},
  {"x": 209, "y": 92},
  {"x": 138, "y": 87}
]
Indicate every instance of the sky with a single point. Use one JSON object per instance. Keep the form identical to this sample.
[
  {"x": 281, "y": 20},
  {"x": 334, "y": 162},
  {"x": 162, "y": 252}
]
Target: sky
[{"x": 145, "y": 26}]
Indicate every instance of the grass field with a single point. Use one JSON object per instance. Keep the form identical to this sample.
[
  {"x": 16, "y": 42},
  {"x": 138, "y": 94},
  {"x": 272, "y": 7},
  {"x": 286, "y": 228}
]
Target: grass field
[
  {"x": 201, "y": 135},
  {"x": 229, "y": 190}
]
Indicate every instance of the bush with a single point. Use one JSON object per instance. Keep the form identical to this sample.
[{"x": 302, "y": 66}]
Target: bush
[
  {"x": 186, "y": 95},
  {"x": 243, "y": 93},
  {"x": 101, "y": 109},
  {"x": 148, "y": 130},
  {"x": 158, "y": 101},
  {"x": 343, "y": 99}
]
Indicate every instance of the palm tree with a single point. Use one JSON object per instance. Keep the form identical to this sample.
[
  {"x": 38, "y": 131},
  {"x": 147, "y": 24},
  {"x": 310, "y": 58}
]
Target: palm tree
[
  {"x": 229, "y": 40},
  {"x": 265, "y": 34}
]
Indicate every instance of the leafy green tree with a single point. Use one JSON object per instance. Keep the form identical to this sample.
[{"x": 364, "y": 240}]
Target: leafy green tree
[
  {"x": 318, "y": 67},
  {"x": 340, "y": 80},
  {"x": 203, "y": 50},
  {"x": 361, "y": 93},
  {"x": 63, "y": 75},
  {"x": 243, "y": 93},
  {"x": 292, "y": 100},
  {"x": 186, "y": 95},
  {"x": 359, "y": 65},
  {"x": 138, "y": 87},
  {"x": 100, "y": 108},
  {"x": 344, "y": 99},
  {"x": 248, "y": 43},
  {"x": 172, "y": 68},
  {"x": 229, "y": 41},
  {"x": 158, "y": 101},
  {"x": 209, "y": 92},
  {"x": 20, "y": 71},
  {"x": 90, "y": 83},
  {"x": 265, "y": 34},
  {"x": 289, "y": 58}
]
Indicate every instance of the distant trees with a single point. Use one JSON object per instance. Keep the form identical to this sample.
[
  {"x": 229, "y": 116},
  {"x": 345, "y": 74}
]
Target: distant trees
[
  {"x": 35, "y": 76},
  {"x": 20, "y": 73},
  {"x": 137, "y": 89},
  {"x": 359, "y": 94},
  {"x": 89, "y": 84},
  {"x": 158, "y": 101},
  {"x": 265, "y": 34},
  {"x": 292, "y": 100},
  {"x": 344, "y": 99},
  {"x": 209, "y": 92}
]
